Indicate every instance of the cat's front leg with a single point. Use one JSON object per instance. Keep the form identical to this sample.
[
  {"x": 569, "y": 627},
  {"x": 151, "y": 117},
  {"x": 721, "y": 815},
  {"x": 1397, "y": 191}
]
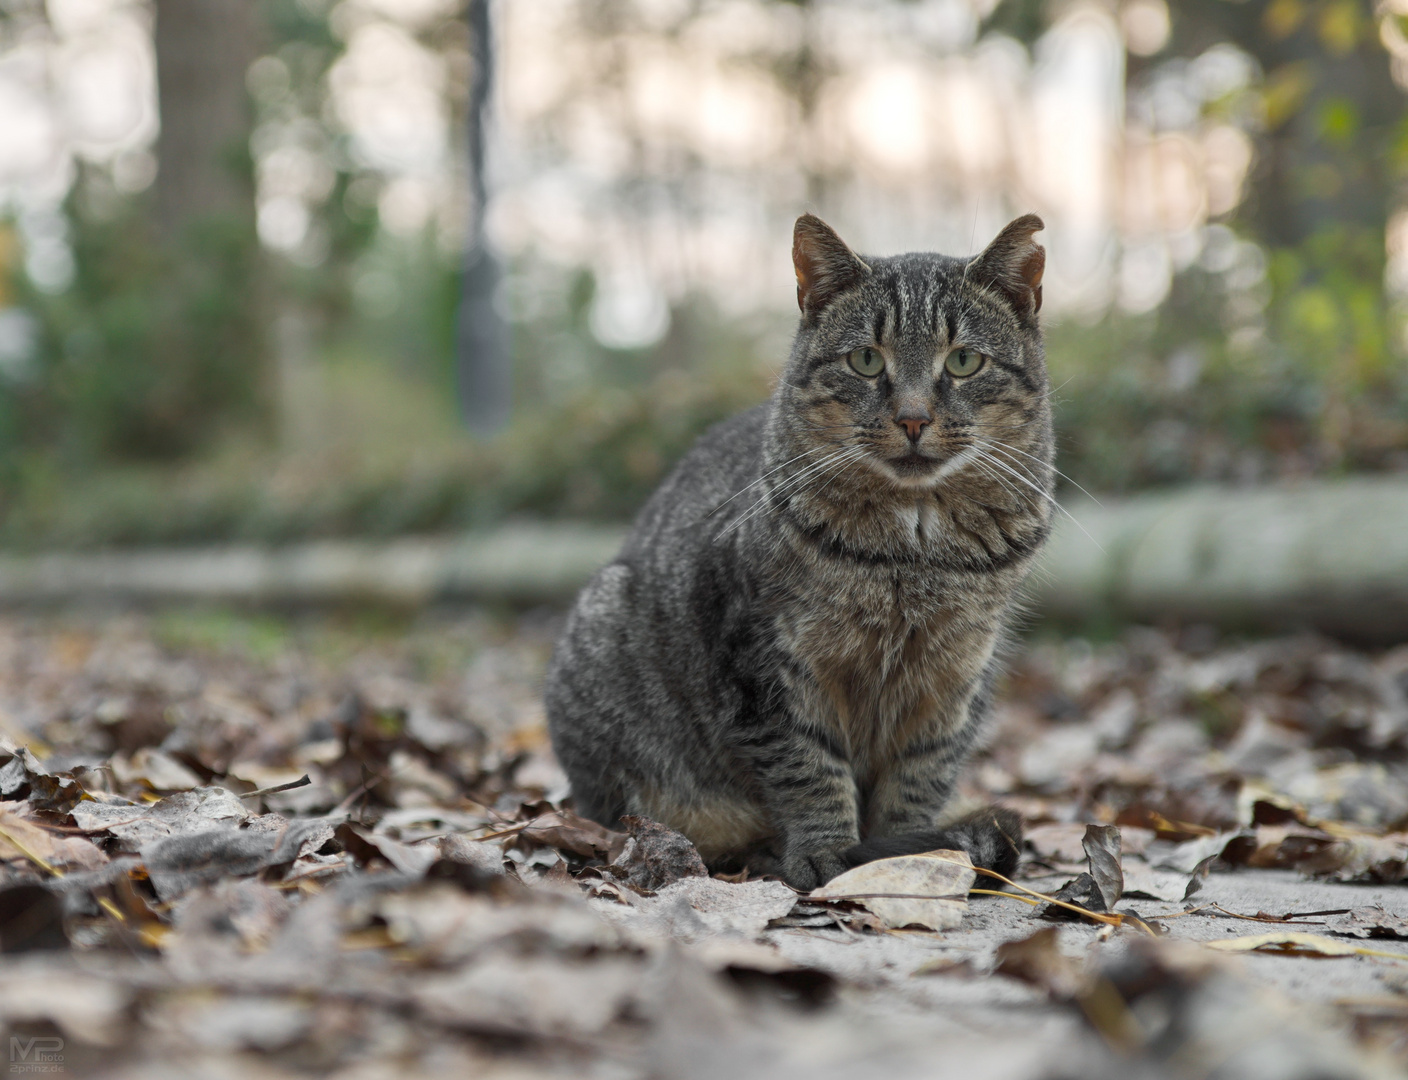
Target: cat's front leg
[
  {"x": 911, "y": 794},
  {"x": 811, "y": 798},
  {"x": 911, "y": 797}
]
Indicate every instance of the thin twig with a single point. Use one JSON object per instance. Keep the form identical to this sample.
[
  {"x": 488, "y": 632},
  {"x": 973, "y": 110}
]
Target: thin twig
[
  {"x": 1009, "y": 895},
  {"x": 889, "y": 896},
  {"x": 345, "y": 806},
  {"x": 302, "y": 781}
]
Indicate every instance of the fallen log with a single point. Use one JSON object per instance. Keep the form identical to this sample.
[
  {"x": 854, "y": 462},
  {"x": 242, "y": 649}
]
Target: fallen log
[
  {"x": 521, "y": 564},
  {"x": 1328, "y": 555}
]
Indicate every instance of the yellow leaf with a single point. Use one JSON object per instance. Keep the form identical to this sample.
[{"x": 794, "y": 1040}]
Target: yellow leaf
[{"x": 1296, "y": 943}]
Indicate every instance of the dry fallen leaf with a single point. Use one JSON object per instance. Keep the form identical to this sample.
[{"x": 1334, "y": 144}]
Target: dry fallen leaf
[
  {"x": 1373, "y": 923},
  {"x": 1199, "y": 875},
  {"x": 912, "y": 890},
  {"x": 1082, "y": 892},
  {"x": 1297, "y": 943},
  {"x": 569, "y": 832},
  {"x": 20, "y": 837},
  {"x": 158, "y": 770},
  {"x": 332, "y": 962},
  {"x": 1102, "y": 848},
  {"x": 698, "y": 908},
  {"x": 655, "y": 856},
  {"x": 1038, "y": 960}
]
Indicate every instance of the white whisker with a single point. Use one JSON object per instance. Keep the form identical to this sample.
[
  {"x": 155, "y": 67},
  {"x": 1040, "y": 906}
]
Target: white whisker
[
  {"x": 997, "y": 478},
  {"x": 1049, "y": 498},
  {"x": 759, "y": 480},
  {"x": 996, "y": 444},
  {"x": 838, "y": 470},
  {"x": 788, "y": 485}
]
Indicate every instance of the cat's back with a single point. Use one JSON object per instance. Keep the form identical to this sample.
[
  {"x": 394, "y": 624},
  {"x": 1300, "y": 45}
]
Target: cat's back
[
  {"x": 634, "y": 680},
  {"x": 703, "y": 493},
  {"x": 650, "y": 608}
]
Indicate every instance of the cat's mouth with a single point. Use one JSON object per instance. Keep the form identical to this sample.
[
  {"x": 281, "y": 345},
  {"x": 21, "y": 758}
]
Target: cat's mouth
[{"x": 913, "y": 464}]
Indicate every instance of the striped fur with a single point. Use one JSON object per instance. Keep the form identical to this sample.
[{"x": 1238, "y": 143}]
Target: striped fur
[{"x": 792, "y": 656}]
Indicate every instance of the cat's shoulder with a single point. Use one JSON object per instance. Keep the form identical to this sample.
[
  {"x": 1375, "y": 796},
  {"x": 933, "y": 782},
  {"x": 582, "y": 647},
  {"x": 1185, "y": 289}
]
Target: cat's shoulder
[
  {"x": 742, "y": 431},
  {"x": 729, "y": 451},
  {"x": 723, "y": 462}
]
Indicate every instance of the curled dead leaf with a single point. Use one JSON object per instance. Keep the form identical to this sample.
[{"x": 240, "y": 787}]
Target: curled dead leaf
[
  {"x": 929, "y": 890},
  {"x": 1298, "y": 943},
  {"x": 1039, "y": 961}
]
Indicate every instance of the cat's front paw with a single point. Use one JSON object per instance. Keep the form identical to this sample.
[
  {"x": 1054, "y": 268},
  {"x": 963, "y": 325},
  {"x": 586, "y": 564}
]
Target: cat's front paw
[{"x": 805, "y": 871}]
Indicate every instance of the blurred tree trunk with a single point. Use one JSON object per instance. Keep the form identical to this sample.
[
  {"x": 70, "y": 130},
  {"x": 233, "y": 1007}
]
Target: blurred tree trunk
[
  {"x": 203, "y": 49},
  {"x": 1332, "y": 112},
  {"x": 191, "y": 356},
  {"x": 483, "y": 372},
  {"x": 1329, "y": 172}
]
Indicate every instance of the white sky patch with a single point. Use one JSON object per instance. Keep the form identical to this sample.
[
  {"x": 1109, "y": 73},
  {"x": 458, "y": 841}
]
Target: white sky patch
[
  {"x": 628, "y": 311},
  {"x": 683, "y": 153}
]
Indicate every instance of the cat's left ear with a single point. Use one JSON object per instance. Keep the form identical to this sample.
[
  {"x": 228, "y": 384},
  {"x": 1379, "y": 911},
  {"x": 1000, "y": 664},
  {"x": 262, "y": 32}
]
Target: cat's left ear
[
  {"x": 1013, "y": 264},
  {"x": 825, "y": 266}
]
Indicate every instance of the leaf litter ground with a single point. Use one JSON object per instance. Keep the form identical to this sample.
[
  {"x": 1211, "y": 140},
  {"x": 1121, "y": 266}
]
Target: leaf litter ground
[{"x": 249, "y": 847}]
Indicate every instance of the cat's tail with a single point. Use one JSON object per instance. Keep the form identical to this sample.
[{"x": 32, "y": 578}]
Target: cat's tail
[{"x": 992, "y": 838}]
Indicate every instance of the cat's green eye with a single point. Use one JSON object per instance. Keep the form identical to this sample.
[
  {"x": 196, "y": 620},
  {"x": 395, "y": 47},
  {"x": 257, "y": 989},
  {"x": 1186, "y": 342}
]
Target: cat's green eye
[
  {"x": 964, "y": 362},
  {"x": 866, "y": 361}
]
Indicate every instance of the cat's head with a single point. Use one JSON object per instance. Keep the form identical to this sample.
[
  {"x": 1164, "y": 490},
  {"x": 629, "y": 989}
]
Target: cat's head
[{"x": 922, "y": 364}]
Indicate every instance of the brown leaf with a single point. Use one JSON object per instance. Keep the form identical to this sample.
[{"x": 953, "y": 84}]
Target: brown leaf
[
  {"x": 566, "y": 831},
  {"x": 1343, "y": 855},
  {"x": 1272, "y": 809},
  {"x": 1200, "y": 875},
  {"x": 1102, "y": 848},
  {"x": 1297, "y": 943},
  {"x": 366, "y": 845},
  {"x": 1081, "y": 891},
  {"x": 1038, "y": 961},
  {"x": 655, "y": 856},
  {"x": 1380, "y": 859},
  {"x": 1373, "y": 923},
  {"x": 23, "y": 776},
  {"x": 155, "y": 769},
  {"x": 21, "y": 837},
  {"x": 1164, "y": 828},
  {"x": 928, "y": 890}
]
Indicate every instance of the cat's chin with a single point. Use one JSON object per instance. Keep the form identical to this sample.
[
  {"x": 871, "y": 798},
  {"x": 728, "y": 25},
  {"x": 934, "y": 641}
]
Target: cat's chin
[{"x": 913, "y": 470}]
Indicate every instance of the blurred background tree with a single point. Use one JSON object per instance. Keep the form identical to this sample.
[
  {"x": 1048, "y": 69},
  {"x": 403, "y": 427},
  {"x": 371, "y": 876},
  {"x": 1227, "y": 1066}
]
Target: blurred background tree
[{"x": 236, "y": 234}]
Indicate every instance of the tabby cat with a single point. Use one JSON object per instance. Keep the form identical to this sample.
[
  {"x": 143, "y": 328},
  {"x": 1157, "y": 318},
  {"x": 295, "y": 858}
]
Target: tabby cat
[{"x": 794, "y": 652}]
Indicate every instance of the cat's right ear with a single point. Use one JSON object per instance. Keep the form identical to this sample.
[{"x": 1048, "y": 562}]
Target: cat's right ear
[
  {"x": 825, "y": 266},
  {"x": 1013, "y": 264}
]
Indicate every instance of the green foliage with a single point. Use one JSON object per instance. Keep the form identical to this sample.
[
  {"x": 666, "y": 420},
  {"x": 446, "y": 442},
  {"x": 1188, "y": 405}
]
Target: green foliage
[
  {"x": 1312, "y": 384},
  {"x": 1330, "y": 307},
  {"x": 152, "y": 347},
  {"x": 595, "y": 431},
  {"x": 148, "y": 417}
]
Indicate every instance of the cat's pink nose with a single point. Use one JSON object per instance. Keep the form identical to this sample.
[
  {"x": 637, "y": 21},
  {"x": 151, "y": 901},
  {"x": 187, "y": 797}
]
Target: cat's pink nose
[{"x": 913, "y": 420}]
